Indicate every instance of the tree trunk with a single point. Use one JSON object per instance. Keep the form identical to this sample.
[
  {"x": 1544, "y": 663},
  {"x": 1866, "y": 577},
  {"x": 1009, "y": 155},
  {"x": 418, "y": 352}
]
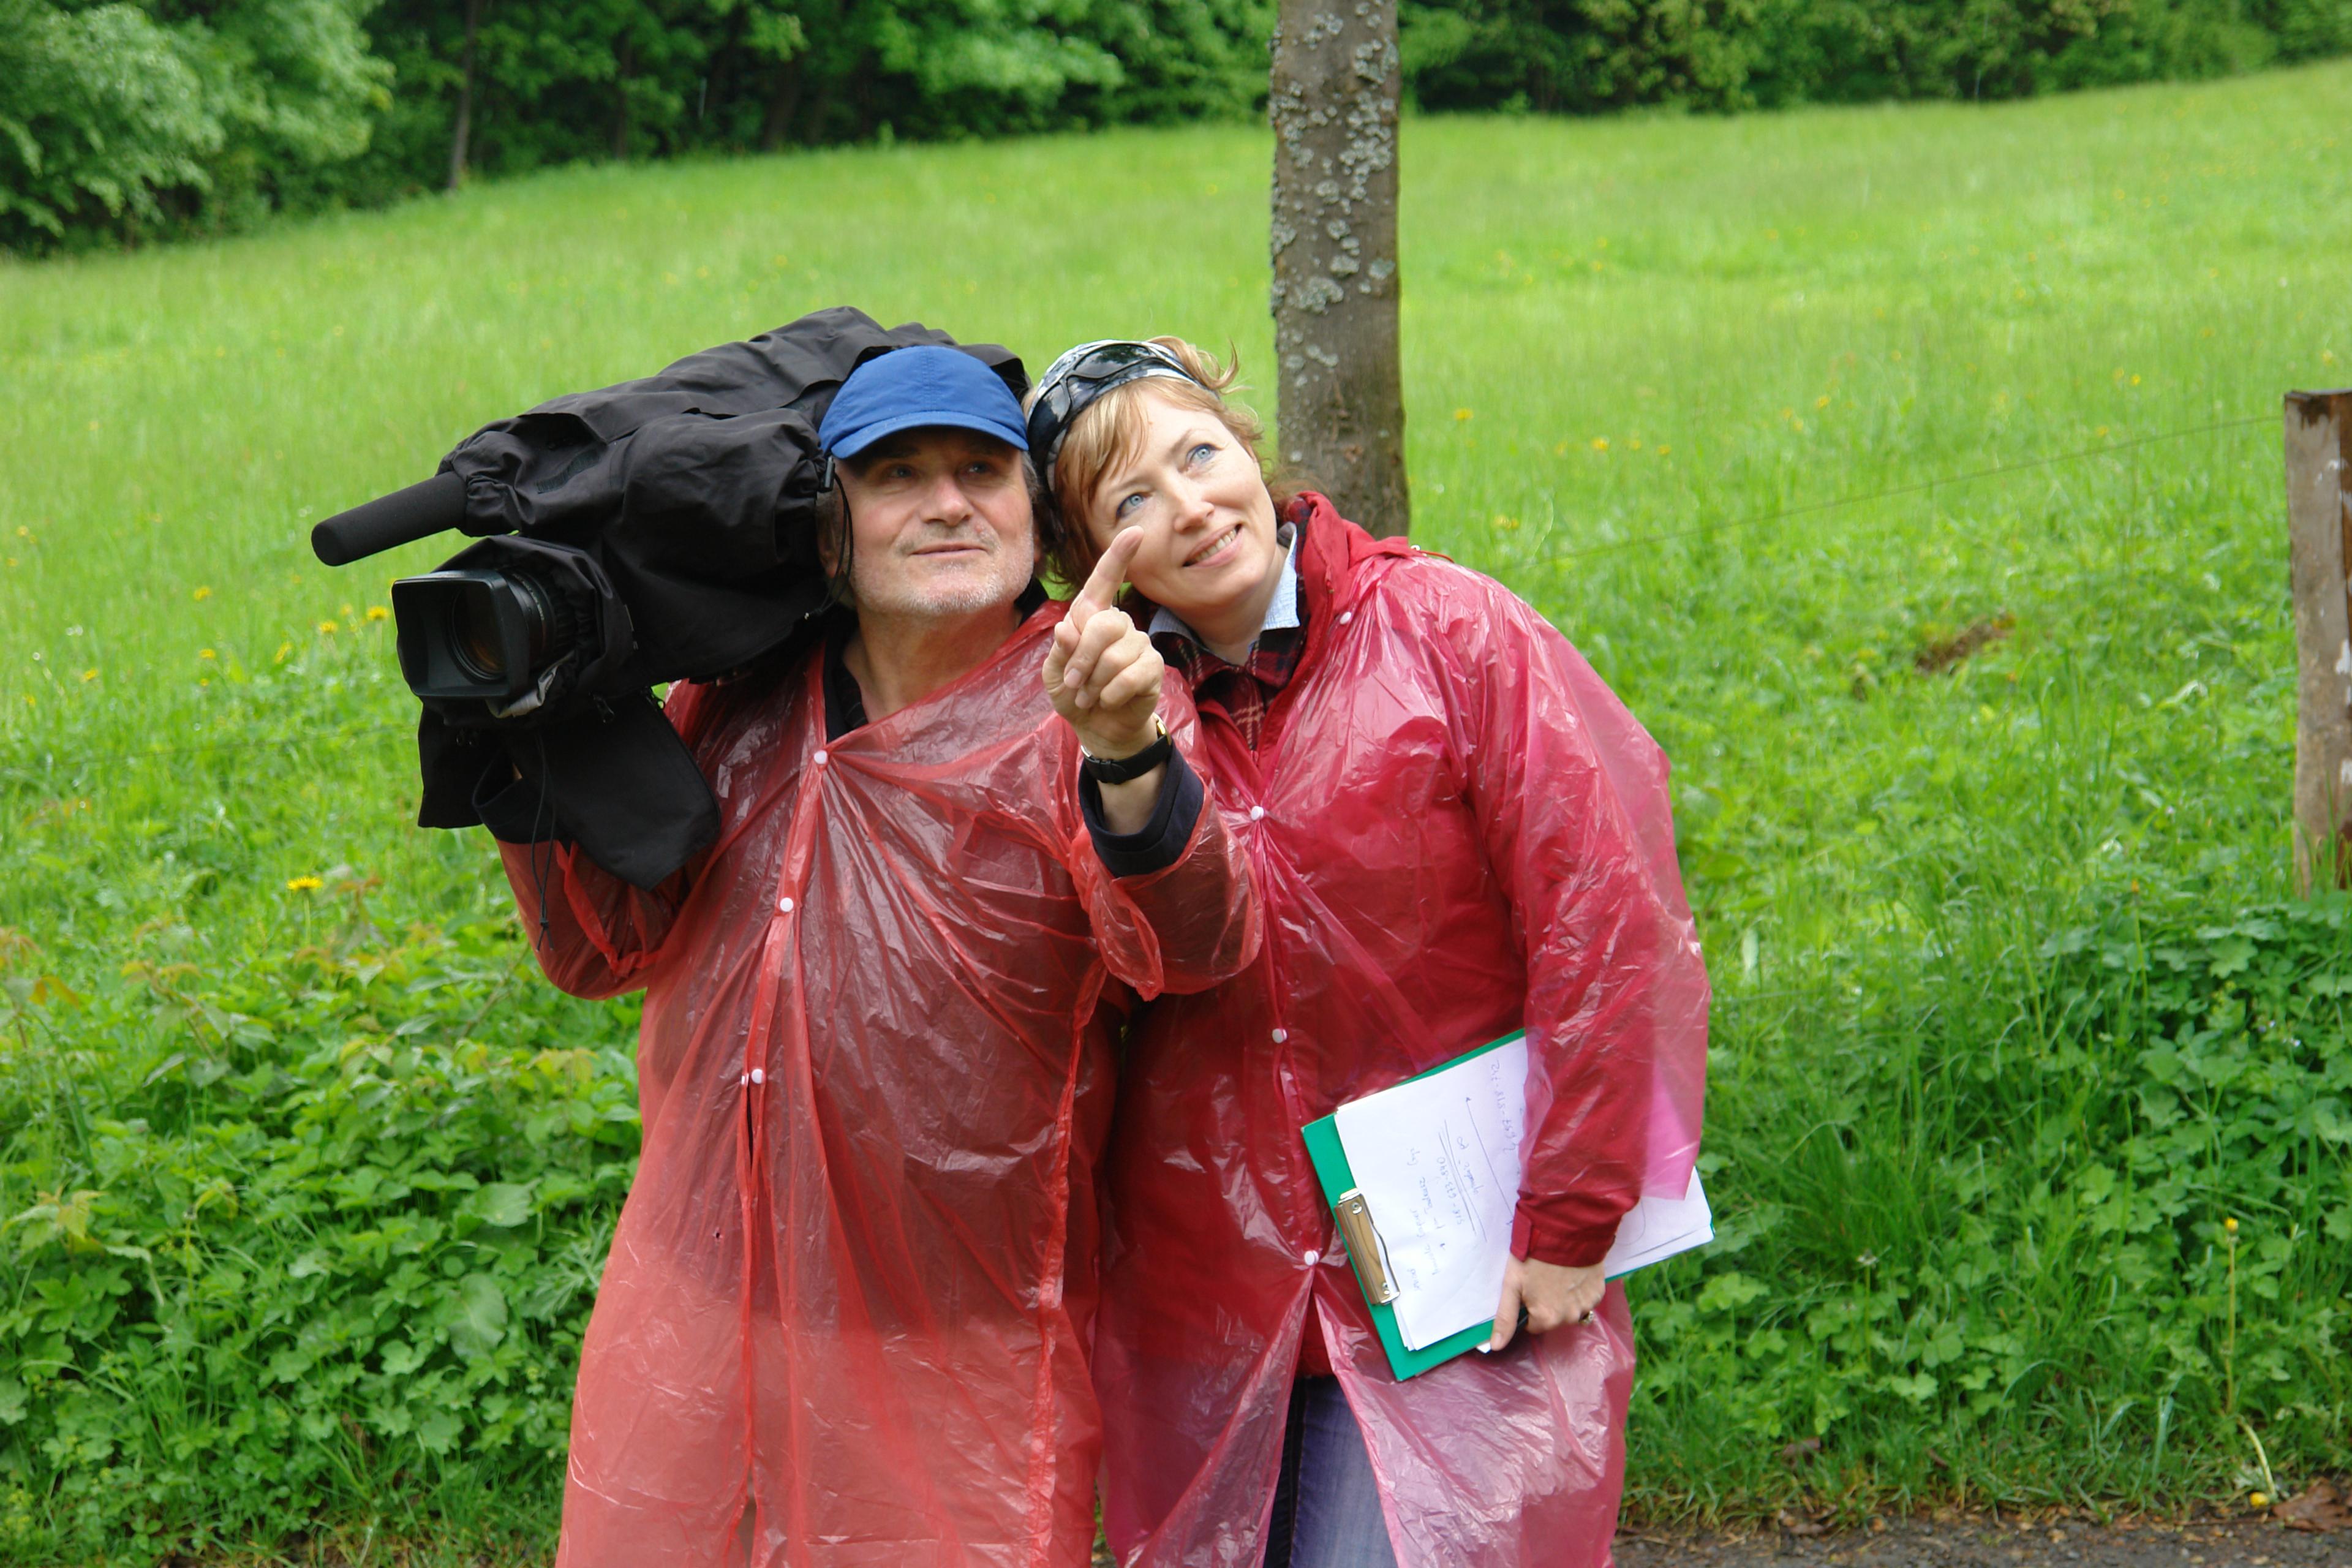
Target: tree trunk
[
  {"x": 625, "y": 70},
  {"x": 1334, "y": 109},
  {"x": 782, "y": 103},
  {"x": 462, "y": 136}
]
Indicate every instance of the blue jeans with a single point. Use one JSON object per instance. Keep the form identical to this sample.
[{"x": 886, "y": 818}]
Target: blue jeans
[{"x": 1327, "y": 1507}]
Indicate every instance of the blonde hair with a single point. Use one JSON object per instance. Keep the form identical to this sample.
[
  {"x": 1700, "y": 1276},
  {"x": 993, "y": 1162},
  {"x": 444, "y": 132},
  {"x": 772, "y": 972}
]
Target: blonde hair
[{"x": 1111, "y": 432}]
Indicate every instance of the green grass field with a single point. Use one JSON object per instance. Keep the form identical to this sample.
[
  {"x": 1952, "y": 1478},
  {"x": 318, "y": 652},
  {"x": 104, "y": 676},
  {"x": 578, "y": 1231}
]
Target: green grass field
[{"x": 1982, "y": 785}]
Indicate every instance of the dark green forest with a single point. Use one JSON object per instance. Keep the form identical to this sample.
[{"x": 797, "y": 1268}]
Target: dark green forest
[{"x": 133, "y": 119}]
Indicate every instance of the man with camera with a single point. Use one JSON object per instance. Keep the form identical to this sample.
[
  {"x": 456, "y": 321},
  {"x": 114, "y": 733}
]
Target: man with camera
[{"x": 847, "y": 1310}]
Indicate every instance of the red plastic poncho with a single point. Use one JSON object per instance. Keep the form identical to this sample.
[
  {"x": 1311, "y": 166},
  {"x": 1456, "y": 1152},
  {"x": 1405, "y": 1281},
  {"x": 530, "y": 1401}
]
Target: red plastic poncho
[
  {"x": 852, "y": 1287},
  {"x": 1457, "y": 831}
]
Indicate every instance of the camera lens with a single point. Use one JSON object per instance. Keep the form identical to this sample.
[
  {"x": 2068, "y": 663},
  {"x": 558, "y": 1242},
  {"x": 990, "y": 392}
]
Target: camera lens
[
  {"x": 490, "y": 633},
  {"x": 476, "y": 638}
]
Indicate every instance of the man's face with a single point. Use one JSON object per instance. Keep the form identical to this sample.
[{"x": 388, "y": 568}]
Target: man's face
[{"x": 939, "y": 524}]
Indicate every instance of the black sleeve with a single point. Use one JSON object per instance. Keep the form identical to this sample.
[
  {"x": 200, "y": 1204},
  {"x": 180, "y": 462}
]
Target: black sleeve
[
  {"x": 513, "y": 809},
  {"x": 1161, "y": 842}
]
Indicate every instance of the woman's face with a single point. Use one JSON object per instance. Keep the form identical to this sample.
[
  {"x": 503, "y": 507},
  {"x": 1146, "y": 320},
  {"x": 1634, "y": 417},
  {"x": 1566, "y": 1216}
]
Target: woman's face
[{"x": 1207, "y": 521}]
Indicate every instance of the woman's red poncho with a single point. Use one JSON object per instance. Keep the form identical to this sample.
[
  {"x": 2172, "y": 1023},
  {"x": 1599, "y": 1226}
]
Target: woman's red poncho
[
  {"x": 851, "y": 1289},
  {"x": 1457, "y": 831}
]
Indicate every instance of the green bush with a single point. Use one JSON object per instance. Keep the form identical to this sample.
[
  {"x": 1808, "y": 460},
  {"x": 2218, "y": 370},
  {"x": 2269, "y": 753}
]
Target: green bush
[
  {"x": 2110, "y": 1213},
  {"x": 99, "y": 112},
  {"x": 162, "y": 117},
  {"x": 297, "y": 1235},
  {"x": 1586, "y": 55}
]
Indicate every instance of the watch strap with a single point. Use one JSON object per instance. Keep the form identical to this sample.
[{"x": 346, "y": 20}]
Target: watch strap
[{"x": 1116, "y": 771}]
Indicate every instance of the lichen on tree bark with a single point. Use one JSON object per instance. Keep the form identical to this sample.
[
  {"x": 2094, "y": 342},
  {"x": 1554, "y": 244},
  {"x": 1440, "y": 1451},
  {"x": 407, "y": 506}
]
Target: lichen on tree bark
[{"x": 1334, "y": 111}]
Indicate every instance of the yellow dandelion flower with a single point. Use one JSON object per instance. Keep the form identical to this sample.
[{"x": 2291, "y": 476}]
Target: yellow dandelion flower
[
  {"x": 2103, "y": 431},
  {"x": 1634, "y": 445},
  {"x": 1664, "y": 449},
  {"x": 206, "y": 653},
  {"x": 2135, "y": 381},
  {"x": 1600, "y": 443},
  {"x": 89, "y": 675},
  {"x": 283, "y": 649},
  {"x": 2230, "y": 1226},
  {"x": 303, "y": 884},
  {"x": 1460, "y": 414},
  {"x": 378, "y": 613},
  {"x": 1822, "y": 400},
  {"x": 202, "y": 593},
  {"x": 326, "y": 628},
  {"x": 1797, "y": 425}
]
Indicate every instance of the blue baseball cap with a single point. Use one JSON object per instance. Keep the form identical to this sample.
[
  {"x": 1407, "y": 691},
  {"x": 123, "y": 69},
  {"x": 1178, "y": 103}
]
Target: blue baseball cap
[{"x": 908, "y": 388}]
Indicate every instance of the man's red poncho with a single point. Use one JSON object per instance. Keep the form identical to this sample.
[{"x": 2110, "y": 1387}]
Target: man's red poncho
[
  {"x": 852, "y": 1286},
  {"x": 1457, "y": 831}
]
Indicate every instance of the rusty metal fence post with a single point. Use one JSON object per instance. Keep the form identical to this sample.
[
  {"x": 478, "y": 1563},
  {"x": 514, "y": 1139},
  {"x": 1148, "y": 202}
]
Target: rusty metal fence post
[{"x": 2319, "y": 530}]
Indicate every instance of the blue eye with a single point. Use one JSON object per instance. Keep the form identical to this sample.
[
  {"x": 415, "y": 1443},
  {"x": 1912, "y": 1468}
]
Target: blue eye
[
  {"x": 1204, "y": 453},
  {"x": 1127, "y": 506}
]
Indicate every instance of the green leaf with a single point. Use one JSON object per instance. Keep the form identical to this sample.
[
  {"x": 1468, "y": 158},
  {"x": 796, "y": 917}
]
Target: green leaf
[
  {"x": 481, "y": 1320},
  {"x": 438, "y": 1431},
  {"x": 502, "y": 1204},
  {"x": 1727, "y": 1292},
  {"x": 2231, "y": 955}
]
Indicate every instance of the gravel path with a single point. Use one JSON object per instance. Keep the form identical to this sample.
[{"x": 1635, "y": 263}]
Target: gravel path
[{"x": 2231, "y": 1543}]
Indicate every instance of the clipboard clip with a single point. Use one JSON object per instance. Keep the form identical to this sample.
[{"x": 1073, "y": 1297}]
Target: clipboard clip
[{"x": 1365, "y": 1249}]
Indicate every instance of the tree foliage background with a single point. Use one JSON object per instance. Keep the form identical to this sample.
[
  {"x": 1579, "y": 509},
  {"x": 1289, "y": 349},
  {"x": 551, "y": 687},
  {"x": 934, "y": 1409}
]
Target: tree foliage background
[{"x": 131, "y": 119}]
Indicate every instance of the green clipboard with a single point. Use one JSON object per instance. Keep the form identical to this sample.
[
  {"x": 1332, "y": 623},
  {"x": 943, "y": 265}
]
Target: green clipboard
[{"x": 1339, "y": 1181}]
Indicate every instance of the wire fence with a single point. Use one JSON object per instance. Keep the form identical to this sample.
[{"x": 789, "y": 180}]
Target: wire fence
[
  {"x": 1703, "y": 529},
  {"x": 1921, "y": 486}
]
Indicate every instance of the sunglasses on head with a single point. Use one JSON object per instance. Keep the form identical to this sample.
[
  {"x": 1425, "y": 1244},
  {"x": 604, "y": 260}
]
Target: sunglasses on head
[{"x": 1072, "y": 382}]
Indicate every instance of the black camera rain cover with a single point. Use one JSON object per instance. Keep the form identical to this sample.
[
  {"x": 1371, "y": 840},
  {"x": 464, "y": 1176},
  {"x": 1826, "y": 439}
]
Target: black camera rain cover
[
  {"x": 696, "y": 488},
  {"x": 694, "y": 493}
]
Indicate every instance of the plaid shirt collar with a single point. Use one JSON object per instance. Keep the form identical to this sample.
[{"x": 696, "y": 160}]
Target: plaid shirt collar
[{"x": 1245, "y": 691}]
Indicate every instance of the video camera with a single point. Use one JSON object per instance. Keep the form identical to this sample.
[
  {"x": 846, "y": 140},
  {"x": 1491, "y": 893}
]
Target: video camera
[{"x": 660, "y": 530}]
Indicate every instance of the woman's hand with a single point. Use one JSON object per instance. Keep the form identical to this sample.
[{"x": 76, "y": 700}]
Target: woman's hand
[
  {"x": 1102, "y": 672},
  {"x": 1552, "y": 1296}
]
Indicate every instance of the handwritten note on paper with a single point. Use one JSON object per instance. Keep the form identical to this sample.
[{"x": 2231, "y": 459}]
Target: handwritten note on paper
[{"x": 1438, "y": 1161}]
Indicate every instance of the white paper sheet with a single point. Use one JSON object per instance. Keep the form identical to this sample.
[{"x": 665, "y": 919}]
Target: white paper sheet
[{"x": 1438, "y": 1163}]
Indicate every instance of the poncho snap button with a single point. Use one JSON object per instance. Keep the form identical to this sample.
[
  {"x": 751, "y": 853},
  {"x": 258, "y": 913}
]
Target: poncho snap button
[
  {"x": 759, "y": 1074},
  {"x": 1346, "y": 615},
  {"x": 820, "y": 756},
  {"x": 784, "y": 906},
  {"x": 1280, "y": 1036},
  {"x": 1310, "y": 1258},
  {"x": 1257, "y": 814}
]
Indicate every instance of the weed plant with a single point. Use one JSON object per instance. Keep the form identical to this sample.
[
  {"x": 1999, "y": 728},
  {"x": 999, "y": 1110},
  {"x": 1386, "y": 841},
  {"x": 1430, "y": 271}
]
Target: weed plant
[{"x": 1981, "y": 788}]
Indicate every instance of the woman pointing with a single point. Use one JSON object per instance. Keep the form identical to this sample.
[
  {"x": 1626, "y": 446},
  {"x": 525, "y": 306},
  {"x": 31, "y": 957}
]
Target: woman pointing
[{"x": 1458, "y": 831}]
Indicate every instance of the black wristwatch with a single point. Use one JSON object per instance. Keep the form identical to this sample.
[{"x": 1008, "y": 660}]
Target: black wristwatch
[{"x": 1108, "y": 771}]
